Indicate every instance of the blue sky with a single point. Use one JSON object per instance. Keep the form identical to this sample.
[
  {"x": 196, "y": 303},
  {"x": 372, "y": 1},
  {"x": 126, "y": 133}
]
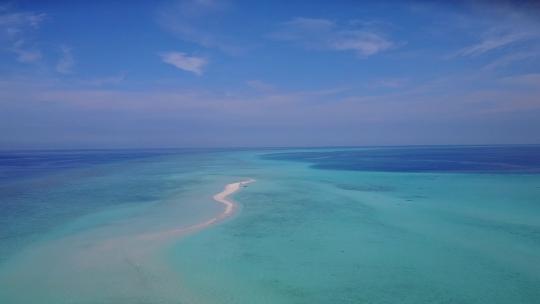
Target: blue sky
[{"x": 251, "y": 73}]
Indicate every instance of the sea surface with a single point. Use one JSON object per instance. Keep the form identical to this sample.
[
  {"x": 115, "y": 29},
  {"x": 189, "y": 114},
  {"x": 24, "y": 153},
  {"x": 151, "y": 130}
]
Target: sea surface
[{"x": 434, "y": 224}]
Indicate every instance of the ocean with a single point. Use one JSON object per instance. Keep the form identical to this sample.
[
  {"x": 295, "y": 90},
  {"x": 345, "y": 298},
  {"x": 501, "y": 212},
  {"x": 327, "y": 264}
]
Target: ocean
[{"x": 434, "y": 224}]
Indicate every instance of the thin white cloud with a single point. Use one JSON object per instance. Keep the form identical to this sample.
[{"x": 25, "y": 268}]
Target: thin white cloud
[
  {"x": 24, "y": 54},
  {"x": 391, "y": 83},
  {"x": 189, "y": 20},
  {"x": 107, "y": 80},
  {"x": 327, "y": 35},
  {"x": 532, "y": 80},
  {"x": 184, "y": 62},
  {"x": 260, "y": 85},
  {"x": 498, "y": 27},
  {"x": 494, "y": 42},
  {"x": 513, "y": 58},
  {"x": 15, "y": 29},
  {"x": 280, "y": 111},
  {"x": 66, "y": 62},
  {"x": 12, "y": 22}
]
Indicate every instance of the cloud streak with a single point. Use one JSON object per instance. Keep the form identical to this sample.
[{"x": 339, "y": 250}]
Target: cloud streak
[
  {"x": 494, "y": 42},
  {"x": 14, "y": 22},
  {"x": 196, "y": 21},
  {"x": 278, "y": 116},
  {"x": 325, "y": 34},
  {"x": 15, "y": 27},
  {"x": 66, "y": 62},
  {"x": 107, "y": 80},
  {"x": 499, "y": 27},
  {"x": 25, "y": 55},
  {"x": 184, "y": 62}
]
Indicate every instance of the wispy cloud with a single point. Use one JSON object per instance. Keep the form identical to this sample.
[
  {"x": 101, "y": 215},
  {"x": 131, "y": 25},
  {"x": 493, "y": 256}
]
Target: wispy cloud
[
  {"x": 512, "y": 58},
  {"x": 66, "y": 62},
  {"x": 297, "y": 116},
  {"x": 14, "y": 22},
  {"x": 107, "y": 80},
  {"x": 15, "y": 29},
  {"x": 184, "y": 62},
  {"x": 391, "y": 83},
  {"x": 24, "y": 54},
  {"x": 498, "y": 27},
  {"x": 260, "y": 85},
  {"x": 194, "y": 21},
  {"x": 531, "y": 80},
  {"x": 496, "y": 41},
  {"x": 327, "y": 35}
]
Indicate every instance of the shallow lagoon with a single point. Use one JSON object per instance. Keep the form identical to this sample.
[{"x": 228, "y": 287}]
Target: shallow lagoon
[{"x": 305, "y": 233}]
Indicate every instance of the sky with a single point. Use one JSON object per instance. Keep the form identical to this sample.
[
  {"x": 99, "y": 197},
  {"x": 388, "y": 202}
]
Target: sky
[{"x": 209, "y": 73}]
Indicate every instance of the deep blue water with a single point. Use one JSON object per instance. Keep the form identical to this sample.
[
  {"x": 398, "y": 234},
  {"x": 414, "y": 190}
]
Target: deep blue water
[
  {"x": 17, "y": 164},
  {"x": 473, "y": 159}
]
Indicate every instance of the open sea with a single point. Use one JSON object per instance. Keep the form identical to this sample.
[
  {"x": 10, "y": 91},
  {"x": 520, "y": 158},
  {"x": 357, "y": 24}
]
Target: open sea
[{"x": 434, "y": 224}]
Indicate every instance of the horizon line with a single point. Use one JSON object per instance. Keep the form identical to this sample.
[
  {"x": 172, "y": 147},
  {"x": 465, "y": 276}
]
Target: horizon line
[{"x": 265, "y": 147}]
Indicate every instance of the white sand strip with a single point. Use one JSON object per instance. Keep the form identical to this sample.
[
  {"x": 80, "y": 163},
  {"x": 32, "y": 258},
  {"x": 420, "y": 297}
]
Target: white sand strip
[
  {"x": 230, "y": 205},
  {"x": 221, "y": 197}
]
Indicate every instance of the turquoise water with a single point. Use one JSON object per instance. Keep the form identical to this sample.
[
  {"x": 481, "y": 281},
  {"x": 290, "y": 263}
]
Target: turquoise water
[{"x": 309, "y": 230}]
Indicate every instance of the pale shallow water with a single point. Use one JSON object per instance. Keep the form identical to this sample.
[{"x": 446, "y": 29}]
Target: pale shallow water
[{"x": 308, "y": 231}]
